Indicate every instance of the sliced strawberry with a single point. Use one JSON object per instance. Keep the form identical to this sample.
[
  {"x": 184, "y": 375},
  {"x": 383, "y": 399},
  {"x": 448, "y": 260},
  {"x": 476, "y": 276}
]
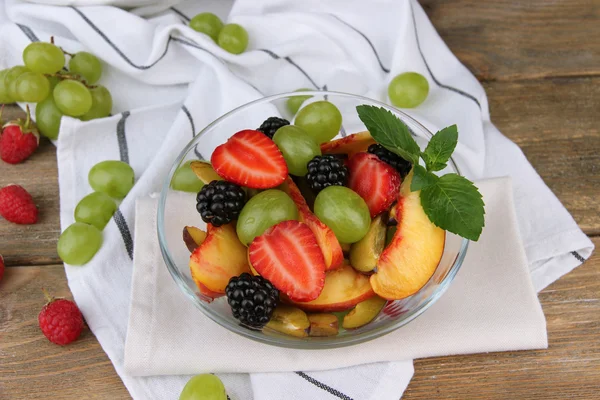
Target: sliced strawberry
[
  {"x": 288, "y": 255},
  {"x": 375, "y": 181},
  {"x": 249, "y": 158}
]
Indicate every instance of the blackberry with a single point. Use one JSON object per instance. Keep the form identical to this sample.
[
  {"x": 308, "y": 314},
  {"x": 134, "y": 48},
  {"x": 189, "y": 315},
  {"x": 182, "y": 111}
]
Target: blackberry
[
  {"x": 252, "y": 299},
  {"x": 220, "y": 202},
  {"x": 271, "y": 124},
  {"x": 324, "y": 171},
  {"x": 397, "y": 162}
]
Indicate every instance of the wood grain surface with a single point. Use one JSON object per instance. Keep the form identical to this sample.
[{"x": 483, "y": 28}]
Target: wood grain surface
[{"x": 539, "y": 62}]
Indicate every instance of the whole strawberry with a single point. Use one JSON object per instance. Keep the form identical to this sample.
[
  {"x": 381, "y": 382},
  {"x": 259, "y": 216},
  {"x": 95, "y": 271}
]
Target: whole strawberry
[
  {"x": 16, "y": 205},
  {"x": 1, "y": 267},
  {"x": 60, "y": 320},
  {"x": 19, "y": 140}
]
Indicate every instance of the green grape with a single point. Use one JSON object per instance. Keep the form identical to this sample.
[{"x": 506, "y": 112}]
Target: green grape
[
  {"x": 87, "y": 66},
  {"x": 408, "y": 90},
  {"x": 5, "y": 97},
  {"x": 204, "y": 387},
  {"x": 44, "y": 58},
  {"x": 297, "y": 148},
  {"x": 233, "y": 38},
  {"x": 207, "y": 23},
  {"x": 95, "y": 209},
  {"x": 262, "y": 212},
  {"x": 47, "y": 118},
  {"x": 79, "y": 243},
  {"x": 185, "y": 179},
  {"x": 115, "y": 178},
  {"x": 294, "y": 103},
  {"x": 72, "y": 97},
  {"x": 344, "y": 211},
  {"x": 101, "y": 104},
  {"x": 10, "y": 80},
  {"x": 32, "y": 87},
  {"x": 321, "y": 120}
]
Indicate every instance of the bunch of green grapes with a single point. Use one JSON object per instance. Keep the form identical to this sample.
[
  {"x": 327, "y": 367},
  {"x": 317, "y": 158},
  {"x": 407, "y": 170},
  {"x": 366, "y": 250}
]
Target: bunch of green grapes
[
  {"x": 231, "y": 37},
  {"x": 43, "y": 79}
]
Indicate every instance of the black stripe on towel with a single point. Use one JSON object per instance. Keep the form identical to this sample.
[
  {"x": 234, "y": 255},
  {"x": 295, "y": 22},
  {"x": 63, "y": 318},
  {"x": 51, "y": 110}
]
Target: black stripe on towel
[
  {"x": 192, "y": 125},
  {"x": 578, "y": 256},
  {"x": 122, "y": 138},
  {"x": 384, "y": 69},
  {"x": 29, "y": 33},
  {"x": 182, "y": 15},
  {"x": 453, "y": 89},
  {"x": 291, "y": 62},
  {"x": 324, "y": 387},
  {"x": 125, "y": 232},
  {"x": 114, "y": 46}
]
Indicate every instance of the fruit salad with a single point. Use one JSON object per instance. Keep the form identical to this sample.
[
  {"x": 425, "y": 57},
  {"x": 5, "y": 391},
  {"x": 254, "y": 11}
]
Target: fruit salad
[{"x": 307, "y": 235}]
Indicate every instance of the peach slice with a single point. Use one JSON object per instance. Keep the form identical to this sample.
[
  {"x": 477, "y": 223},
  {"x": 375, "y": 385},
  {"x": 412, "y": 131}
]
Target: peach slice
[
  {"x": 364, "y": 312},
  {"x": 205, "y": 172},
  {"x": 323, "y": 325},
  {"x": 193, "y": 237},
  {"x": 414, "y": 253},
  {"x": 350, "y": 145},
  {"x": 330, "y": 246},
  {"x": 289, "y": 320},
  {"x": 219, "y": 258},
  {"x": 344, "y": 288}
]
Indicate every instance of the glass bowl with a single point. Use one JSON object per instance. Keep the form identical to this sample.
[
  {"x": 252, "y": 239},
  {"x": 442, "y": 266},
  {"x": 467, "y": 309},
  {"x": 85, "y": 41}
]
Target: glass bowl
[{"x": 177, "y": 209}]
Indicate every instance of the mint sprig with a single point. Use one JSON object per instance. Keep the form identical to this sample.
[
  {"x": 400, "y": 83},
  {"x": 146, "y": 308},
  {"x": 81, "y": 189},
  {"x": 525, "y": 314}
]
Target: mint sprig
[{"x": 452, "y": 202}]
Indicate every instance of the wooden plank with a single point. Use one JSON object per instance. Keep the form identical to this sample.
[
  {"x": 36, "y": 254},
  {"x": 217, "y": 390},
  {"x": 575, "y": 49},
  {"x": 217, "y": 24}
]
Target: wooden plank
[
  {"x": 33, "y": 368},
  {"x": 515, "y": 39}
]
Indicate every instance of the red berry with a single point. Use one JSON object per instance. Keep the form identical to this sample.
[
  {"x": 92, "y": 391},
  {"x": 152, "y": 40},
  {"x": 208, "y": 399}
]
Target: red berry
[
  {"x": 377, "y": 182},
  {"x": 251, "y": 159},
  {"x": 1, "y": 267},
  {"x": 19, "y": 140},
  {"x": 289, "y": 256},
  {"x": 16, "y": 205},
  {"x": 61, "y": 321}
]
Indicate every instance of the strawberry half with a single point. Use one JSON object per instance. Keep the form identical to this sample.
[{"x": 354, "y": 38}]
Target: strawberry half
[
  {"x": 249, "y": 158},
  {"x": 19, "y": 140},
  {"x": 288, "y": 255},
  {"x": 376, "y": 182}
]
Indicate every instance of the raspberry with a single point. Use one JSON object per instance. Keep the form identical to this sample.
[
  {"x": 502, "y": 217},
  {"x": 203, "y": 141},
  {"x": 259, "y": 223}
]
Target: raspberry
[
  {"x": 271, "y": 124},
  {"x": 60, "y": 320},
  {"x": 16, "y": 205}
]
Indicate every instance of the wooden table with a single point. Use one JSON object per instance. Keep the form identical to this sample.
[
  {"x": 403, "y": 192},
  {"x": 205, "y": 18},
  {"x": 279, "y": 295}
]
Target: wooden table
[{"x": 539, "y": 62}]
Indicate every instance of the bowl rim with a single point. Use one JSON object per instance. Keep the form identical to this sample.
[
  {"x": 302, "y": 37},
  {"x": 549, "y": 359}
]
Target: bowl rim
[{"x": 308, "y": 343}]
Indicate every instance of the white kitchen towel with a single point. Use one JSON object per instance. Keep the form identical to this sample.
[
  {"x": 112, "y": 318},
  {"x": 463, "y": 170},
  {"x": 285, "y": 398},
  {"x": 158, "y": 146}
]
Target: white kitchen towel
[
  {"x": 168, "y": 82},
  {"x": 491, "y": 306}
]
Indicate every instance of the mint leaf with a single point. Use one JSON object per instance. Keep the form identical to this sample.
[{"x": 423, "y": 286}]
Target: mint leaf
[
  {"x": 440, "y": 148},
  {"x": 389, "y": 131},
  {"x": 453, "y": 203},
  {"x": 422, "y": 178}
]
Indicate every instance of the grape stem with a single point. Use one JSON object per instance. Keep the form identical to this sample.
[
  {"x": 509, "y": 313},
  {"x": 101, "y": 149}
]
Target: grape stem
[
  {"x": 66, "y": 52},
  {"x": 73, "y": 77}
]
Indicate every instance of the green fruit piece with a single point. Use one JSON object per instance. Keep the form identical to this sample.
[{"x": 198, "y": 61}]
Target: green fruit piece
[
  {"x": 323, "y": 325},
  {"x": 295, "y": 102},
  {"x": 290, "y": 321},
  {"x": 47, "y": 118},
  {"x": 86, "y": 65},
  {"x": 79, "y": 243},
  {"x": 5, "y": 97},
  {"x": 365, "y": 253},
  {"x": 43, "y": 58},
  {"x": 10, "y": 80},
  {"x": 233, "y": 38},
  {"x": 32, "y": 87},
  {"x": 204, "y": 387},
  {"x": 95, "y": 209},
  {"x": 207, "y": 23},
  {"x": 344, "y": 211},
  {"x": 408, "y": 90},
  {"x": 72, "y": 97},
  {"x": 185, "y": 179},
  {"x": 262, "y": 212},
  {"x": 297, "y": 147},
  {"x": 205, "y": 172},
  {"x": 363, "y": 313},
  {"x": 321, "y": 120},
  {"x": 115, "y": 178},
  {"x": 101, "y": 104}
]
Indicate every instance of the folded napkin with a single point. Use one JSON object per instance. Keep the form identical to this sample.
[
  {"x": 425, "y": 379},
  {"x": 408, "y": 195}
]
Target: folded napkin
[
  {"x": 168, "y": 82},
  {"x": 491, "y": 306}
]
